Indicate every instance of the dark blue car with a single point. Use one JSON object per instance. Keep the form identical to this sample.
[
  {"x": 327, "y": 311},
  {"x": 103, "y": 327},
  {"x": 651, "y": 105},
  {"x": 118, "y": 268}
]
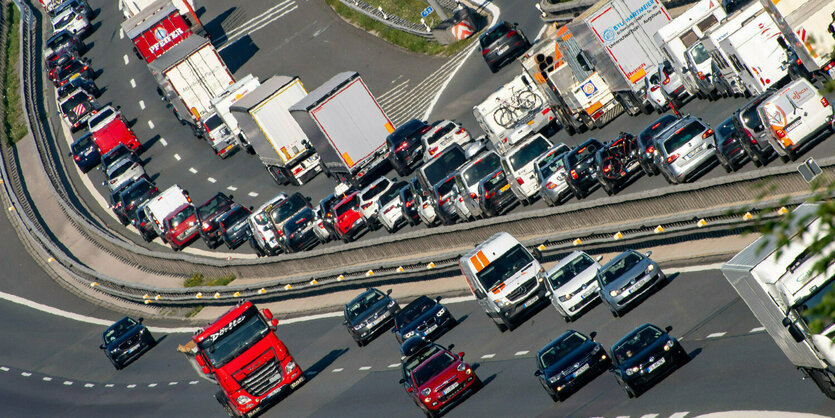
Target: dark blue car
[
  {"x": 85, "y": 153},
  {"x": 125, "y": 341},
  {"x": 300, "y": 231},
  {"x": 569, "y": 362},
  {"x": 645, "y": 356},
  {"x": 422, "y": 317}
]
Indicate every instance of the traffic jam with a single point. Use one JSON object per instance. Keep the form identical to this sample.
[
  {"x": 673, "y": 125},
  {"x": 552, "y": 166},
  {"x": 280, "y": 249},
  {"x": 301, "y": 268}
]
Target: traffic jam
[{"x": 447, "y": 174}]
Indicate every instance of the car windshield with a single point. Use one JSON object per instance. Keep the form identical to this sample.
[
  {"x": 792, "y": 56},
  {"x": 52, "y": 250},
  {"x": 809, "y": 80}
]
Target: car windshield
[
  {"x": 413, "y": 310},
  {"x": 212, "y": 205},
  {"x": 498, "y": 180},
  {"x": 635, "y": 342},
  {"x": 392, "y": 193},
  {"x": 528, "y": 153},
  {"x": 83, "y": 143},
  {"x": 180, "y": 217},
  {"x": 432, "y": 367},
  {"x": 101, "y": 116},
  {"x": 118, "y": 329},
  {"x": 63, "y": 20},
  {"x": 362, "y": 303},
  {"x": 213, "y": 122},
  {"x": 376, "y": 189},
  {"x": 480, "y": 169},
  {"x": 238, "y": 215},
  {"x": 439, "y": 133},
  {"x": 560, "y": 349},
  {"x": 58, "y": 39},
  {"x": 288, "y": 208},
  {"x": 493, "y": 35},
  {"x": 407, "y": 130},
  {"x": 446, "y": 187},
  {"x": 683, "y": 136},
  {"x": 234, "y": 338},
  {"x": 571, "y": 269},
  {"x": 699, "y": 53},
  {"x": 551, "y": 163},
  {"x": 504, "y": 266},
  {"x": 818, "y": 312},
  {"x": 582, "y": 153},
  {"x": 419, "y": 357},
  {"x": 750, "y": 117},
  {"x": 614, "y": 270},
  {"x": 443, "y": 165},
  {"x": 71, "y": 68},
  {"x": 346, "y": 206}
]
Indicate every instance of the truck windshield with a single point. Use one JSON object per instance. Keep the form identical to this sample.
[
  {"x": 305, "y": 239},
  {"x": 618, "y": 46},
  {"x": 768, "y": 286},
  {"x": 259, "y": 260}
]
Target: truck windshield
[
  {"x": 560, "y": 349},
  {"x": 234, "y": 338},
  {"x": 699, "y": 54},
  {"x": 528, "y": 153},
  {"x": 443, "y": 165},
  {"x": 505, "y": 266},
  {"x": 480, "y": 169},
  {"x": 683, "y": 136},
  {"x": 819, "y": 311},
  {"x": 571, "y": 269},
  {"x": 288, "y": 208}
]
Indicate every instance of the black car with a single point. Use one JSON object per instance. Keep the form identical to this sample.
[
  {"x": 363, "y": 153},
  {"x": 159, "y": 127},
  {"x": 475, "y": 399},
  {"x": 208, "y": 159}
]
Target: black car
[
  {"x": 58, "y": 59},
  {"x": 284, "y": 210},
  {"x": 207, "y": 215},
  {"x": 300, "y": 231},
  {"x": 143, "y": 224},
  {"x": 422, "y": 317},
  {"x": 617, "y": 162},
  {"x": 85, "y": 153},
  {"x": 405, "y": 148},
  {"x": 644, "y": 356},
  {"x": 234, "y": 228},
  {"x": 116, "y": 203},
  {"x": 409, "y": 202},
  {"x": 579, "y": 163},
  {"x": 125, "y": 341},
  {"x": 71, "y": 70},
  {"x": 326, "y": 212},
  {"x": 755, "y": 135},
  {"x": 64, "y": 40},
  {"x": 138, "y": 193},
  {"x": 116, "y": 154},
  {"x": 569, "y": 362},
  {"x": 496, "y": 196},
  {"x": 368, "y": 314},
  {"x": 502, "y": 43},
  {"x": 646, "y": 142},
  {"x": 729, "y": 150},
  {"x": 88, "y": 86}
]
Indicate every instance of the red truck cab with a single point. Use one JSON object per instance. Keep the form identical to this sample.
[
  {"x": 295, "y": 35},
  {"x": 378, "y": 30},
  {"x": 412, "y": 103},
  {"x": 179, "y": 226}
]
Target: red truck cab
[
  {"x": 114, "y": 133},
  {"x": 241, "y": 352},
  {"x": 155, "y": 30},
  {"x": 181, "y": 227}
]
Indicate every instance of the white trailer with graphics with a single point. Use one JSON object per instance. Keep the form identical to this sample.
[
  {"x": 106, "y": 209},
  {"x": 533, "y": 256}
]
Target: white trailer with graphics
[{"x": 808, "y": 26}]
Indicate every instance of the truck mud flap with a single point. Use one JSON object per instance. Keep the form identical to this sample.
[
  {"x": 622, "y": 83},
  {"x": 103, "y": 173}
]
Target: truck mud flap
[{"x": 608, "y": 116}]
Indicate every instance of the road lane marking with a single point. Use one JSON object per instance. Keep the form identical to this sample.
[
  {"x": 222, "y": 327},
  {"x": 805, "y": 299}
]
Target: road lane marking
[
  {"x": 67, "y": 383},
  {"x": 177, "y": 157},
  {"x": 521, "y": 353},
  {"x": 649, "y": 416},
  {"x": 47, "y": 379},
  {"x": 680, "y": 414},
  {"x": 88, "y": 385},
  {"x": 337, "y": 370},
  {"x": 757, "y": 329},
  {"x": 126, "y": 59},
  {"x": 121, "y": 34},
  {"x": 488, "y": 356},
  {"x": 393, "y": 365},
  {"x": 172, "y": 383},
  {"x": 716, "y": 335},
  {"x": 192, "y": 170},
  {"x": 142, "y": 104},
  {"x": 25, "y": 374},
  {"x": 163, "y": 142},
  {"x": 252, "y": 194},
  {"x": 365, "y": 368},
  {"x": 232, "y": 188},
  {"x": 151, "y": 124},
  {"x": 4, "y": 368},
  {"x": 131, "y": 386},
  {"x": 257, "y": 23},
  {"x": 151, "y": 385},
  {"x": 193, "y": 382},
  {"x": 132, "y": 83},
  {"x": 109, "y": 385},
  {"x": 212, "y": 180}
]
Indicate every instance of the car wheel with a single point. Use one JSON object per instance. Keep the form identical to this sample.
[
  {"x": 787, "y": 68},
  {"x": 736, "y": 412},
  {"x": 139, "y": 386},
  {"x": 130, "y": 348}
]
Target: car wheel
[
  {"x": 147, "y": 237},
  {"x": 726, "y": 165},
  {"x": 492, "y": 68},
  {"x": 681, "y": 356},
  {"x": 359, "y": 342},
  {"x": 554, "y": 397},
  {"x": 501, "y": 326},
  {"x": 615, "y": 312},
  {"x": 567, "y": 318},
  {"x": 577, "y": 193},
  {"x": 667, "y": 177},
  {"x": 430, "y": 413},
  {"x": 507, "y": 323},
  {"x": 608, "y": 188},
  {"x": 630, "y": 391}
]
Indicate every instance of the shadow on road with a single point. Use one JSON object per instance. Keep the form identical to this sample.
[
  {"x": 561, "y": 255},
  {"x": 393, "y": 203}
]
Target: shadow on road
[
  {"x": 324, "y": 362},
  {"x": 238, "y": 55}
]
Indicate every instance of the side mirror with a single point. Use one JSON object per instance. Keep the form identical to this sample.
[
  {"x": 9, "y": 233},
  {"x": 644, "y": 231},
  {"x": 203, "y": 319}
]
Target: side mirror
[
  {"x": 408, "y": 389},
  {"x": 537, "y": 254},
  {"x": 102, "y": 347},
  {"x": 782, "y": 42},
  {"x": 648, "y": 253},
  {"x": 251, "y": 208},
  {"x": 450, "y": 347},
  {"x": 388, "y": 292},
  {"x": 794, "y": 331},
  {"x": 402, "y": 381},
  {"x": 140, "y": 319},
  {"x": 592, "y": 335},
  {"x": 668, "y": 328},
  {"x": 267, "y": 313},
  {"x": 438, "y": 299},
  {"x": 69, "y": 154},
  {"x": 274, "y": 322},
  {"x": 461, "y": 354},
  {"x": 537, "y": 373},
  {"x": 231, "y": 197},
  {"x": 479, "y": 294}
]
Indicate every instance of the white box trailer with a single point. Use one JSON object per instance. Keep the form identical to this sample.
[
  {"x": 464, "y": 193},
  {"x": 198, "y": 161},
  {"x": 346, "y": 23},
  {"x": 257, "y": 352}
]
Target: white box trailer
[
  {"x": 755, "y": 53},
  {"x": 264, "y": 120},
  {"x": 190, "y": 75},
  {"x": 808, "y": 26},
  {"x": 789, "y": 297}
]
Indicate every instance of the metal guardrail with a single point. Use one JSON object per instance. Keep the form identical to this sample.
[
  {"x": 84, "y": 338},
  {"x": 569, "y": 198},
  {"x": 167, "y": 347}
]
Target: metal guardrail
[{"x": 388, "y": 19}]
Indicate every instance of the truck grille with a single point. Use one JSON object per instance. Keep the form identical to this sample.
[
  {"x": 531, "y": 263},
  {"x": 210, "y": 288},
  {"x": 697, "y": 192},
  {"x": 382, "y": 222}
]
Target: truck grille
[
  {"x": 522, "y": 290},
  {"x": 260, "y": 381}
]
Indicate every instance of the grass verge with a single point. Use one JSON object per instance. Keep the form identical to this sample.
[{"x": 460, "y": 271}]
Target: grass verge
[
  {"x": 197, "y": 280},
  {"x": 14, "y": 124},
  {"x": 194, "y": 311},
  {"x": 406, "y": 9}
]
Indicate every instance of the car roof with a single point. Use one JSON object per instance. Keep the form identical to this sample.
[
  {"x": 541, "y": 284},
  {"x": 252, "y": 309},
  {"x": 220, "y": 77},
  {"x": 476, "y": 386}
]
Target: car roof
[
  {"x": 620, "y": 256},
  {"x": 366, "y": 291},
  {"x": 561, "y": 337}
]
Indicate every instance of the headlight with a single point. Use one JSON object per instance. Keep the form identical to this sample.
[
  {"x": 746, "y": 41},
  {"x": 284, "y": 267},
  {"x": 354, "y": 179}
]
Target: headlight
[
  {"x": 426, "y": 392},
  {"x": 290, "y": 367},
  {"x": 632, "y": 370},
  {"x": 650, "y": 268},
  {"x": 462, "y": 367},
  {"x": 243, "y": 400},
  {"x": 359, "y": 326},
  {"x": 502, "y": 302},
  {"x": 441, "y": 312},
  {"x": 408, "y": 335},
  {"x": 669, "y": 345},
  {"x": 206, "y": 225},
  {"x": 614, "y": 293}
]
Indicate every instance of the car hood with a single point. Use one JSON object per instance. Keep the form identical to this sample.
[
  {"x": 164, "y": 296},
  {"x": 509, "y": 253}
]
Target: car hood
[
  {"x": 569, "y": 361},
  {"x": 448, "y": 373},
  {"x": 420, "y": 320},
  {"x": 654, "y": 350},
  {"x": 513, "y": 282},
  {"x": 575, "y": 283},
  {"x": 377, "y": 308}
]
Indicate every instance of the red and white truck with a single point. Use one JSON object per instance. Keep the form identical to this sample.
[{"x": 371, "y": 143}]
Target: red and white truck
[
  {"x": 241, "y": 353},
  {"x": 114, "y": 133},
  {"x": 190, "y": 75},
  {"x": 130, "y": 8},
  {"x": 156, "y": 29}
]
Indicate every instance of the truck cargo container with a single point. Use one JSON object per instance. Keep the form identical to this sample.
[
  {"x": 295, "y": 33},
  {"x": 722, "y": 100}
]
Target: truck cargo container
[
  {"x": 228, "y": 136},
  {"x": 755, "y": 53},
  {"x": 156, "y": 29},
  {"x": 808, "y": 26}
]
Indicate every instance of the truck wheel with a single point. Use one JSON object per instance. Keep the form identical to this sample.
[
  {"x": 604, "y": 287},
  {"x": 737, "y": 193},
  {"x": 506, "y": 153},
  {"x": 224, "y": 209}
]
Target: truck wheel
[
  {"x": 824, "y": 379},
  {"x": 224, "y": 402}
]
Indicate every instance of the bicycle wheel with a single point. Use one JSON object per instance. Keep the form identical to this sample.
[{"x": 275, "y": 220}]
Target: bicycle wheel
[
  {"x": 527, "y": 100},
  {"x": 611, "y": 168},
  {"x": 504, "y": 117}
]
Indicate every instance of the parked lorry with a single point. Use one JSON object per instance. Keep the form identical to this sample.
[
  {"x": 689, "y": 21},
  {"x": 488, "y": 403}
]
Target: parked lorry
[
  {"x": 267, "y": 126},
  {"x": 190, "y": 75},
  {"x": 756, "y": 53},
  {"x": 616, "y": 41},
  {"x": 514, "y": 112},
  {"x": 228, "y": 137},
  {"x": 808, "y": 26},
  {"x": 790, "y": 296},
  {"x": 156, "y": 29},
  {"x": 580, "y": 100},
  {"x": 680, "y": 33},
  {"x": 241, "y": 353},
  {"x": 346, "y": 126}
]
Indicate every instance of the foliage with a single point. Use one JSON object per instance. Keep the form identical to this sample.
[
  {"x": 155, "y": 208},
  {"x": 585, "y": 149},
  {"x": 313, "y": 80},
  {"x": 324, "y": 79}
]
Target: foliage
[
  {"x": 405, "y": 9},
  {"x": 197, "y": 280},
  {"x": 196, "y": 310},
  {"x": 14, "y": 124}
]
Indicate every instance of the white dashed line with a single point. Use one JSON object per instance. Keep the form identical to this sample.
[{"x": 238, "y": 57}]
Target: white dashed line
[
  {"x": 232, "y": 188},
  {"x": 151, "y": 124},
  {"x": 622, "y": 416},
  {"x": 172, "y": 383},
  {"x": 252, "y": 194},
  {"x": 521, "y": 353},
  {"x": 25, "y": 374},
  {"x": 142, "y": 104},
  {"x": 393, "y": 365},
  {"x": 131, "y": 386},
  {"x": 365, "y": 368},
  {"x": 4, "y": 368},
  {"x": 649, "y": 416},
  {"x": 716, "y": 334},
  {"x": 192, "y": 170},
  {"x": 212, "y": 180},
  {"x": 163, "y": 142},
  {"x": 121, "y": 34},
  {"x": 109, "y": 385},
  {"x": 680, "y": 414},
  {"x": 337, "y": 370},
  {"x": 47, "y": 379},
  {"x": 126, "y": 59},
  {"x": 488, "y": 356},
  {"x": 132, "y": 83},
  {"x": 67, "y": 383},
  {"x": 152, "y": 385},
  {"x": 193, "y": 382},
  {"x": 88, "y": 385},
  {"x": 757, "y": 329},
  {"x": 177, "y": 157}
]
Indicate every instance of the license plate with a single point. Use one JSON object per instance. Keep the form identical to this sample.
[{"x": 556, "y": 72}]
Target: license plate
[
  {"x": 132, "y": 349},
  {"x": 656, "y": 365},
  {"x": 504, "y": 188},
  {"x": 432, "y": 328},
  {"x": 451, "y": 388},
  {"x": 633, "y": 166},
  {"x": 792, "y": 125},
  {"x": 531, "y": 301},
  {"x": 501, "y": 50},
  {"x": 581, "y": 370}
]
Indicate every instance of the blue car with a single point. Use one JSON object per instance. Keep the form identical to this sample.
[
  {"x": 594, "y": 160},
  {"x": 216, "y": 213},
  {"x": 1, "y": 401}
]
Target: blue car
[
  {"x": 125, "y": 341},
  {"x": 569, "y": 362},
  {"x": 85, "y": 153},
  {"x": 422, "y": 317},
  {"x": 645, "y": 356}
]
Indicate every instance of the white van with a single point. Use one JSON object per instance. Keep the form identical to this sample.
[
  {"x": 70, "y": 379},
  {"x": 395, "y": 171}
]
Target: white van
[
  {"x": 796, "y": 114},
  {"x": 163, "y": 204},
  {"x": 505, "y": 278}
]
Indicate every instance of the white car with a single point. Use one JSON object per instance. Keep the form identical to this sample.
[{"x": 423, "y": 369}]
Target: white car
[
  {"x": 321, "y": 230},
  {"x": 263, "y": 232},
  {"x": 467, "y": 178},
  {"x": 73, "y": 21},
  {"x": 126, "y": 169},
  {"x": 655, "y": 94},
  {"x": 442, "y": 135},
  {"x": 104, "y": 116},
  {"x": 426, "y": 210},
  {"x": 572, "y": 284},
  {"x": 368, "y": 199},
  {"x": 519, "y": 166},
  {"x": 390, "y": 214}
]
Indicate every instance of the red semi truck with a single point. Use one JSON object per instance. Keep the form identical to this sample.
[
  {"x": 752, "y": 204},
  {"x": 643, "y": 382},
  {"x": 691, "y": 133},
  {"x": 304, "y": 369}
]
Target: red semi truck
[
  {"x": 156, "y": 29},
  {"x": 241, "y": 353}
]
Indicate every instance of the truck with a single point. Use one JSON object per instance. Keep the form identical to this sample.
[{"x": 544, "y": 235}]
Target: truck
[
  {"x": 808, "y": 27},
  {"x": 790, "y": 289},
  {"x": 189, "y": 76},
  {"x": 266, "y": 125},
  {"x": 513, "y": 112},
  {"x": 616, "y": 41},
  {"x": 156, "y": 29},
  {"x": 755, "y": 52},
  {"x": 130, "y": 8},
  {"x": 675, "y": 37},
  {"x": 346, "y": 126},
  {"x": 241, "y": 353},
  {"x": 226, "y": 138},
  {"x": 579, "y": 100}
]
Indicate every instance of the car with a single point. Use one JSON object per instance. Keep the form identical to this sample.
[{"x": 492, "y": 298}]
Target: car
[
  {"x": 686, "y": 149},
  {"x": 628, "y": 278},
  {"x": 405, "y": 147},
  {"x": 409, "y": 204},
  {"x": 300, "y": 231},
  {"x": 181, "y": 227},
  {"x": 617, "y": 163},
  {"x": 264, "y": 237},
  {"x": 573, "y": 285},
  {"x": 435, "y": 377},
  {"x": 284, "y": 210},
  {"x": 85, "y": 153},
  {"x": 233, "y": 225},
  {"x": 550, "y": 171},
  {"x": 349, "y": 221},
  {"x": 496, "y": 198},
  {"x": 88, "y": 86},
  {"x": 325, "y": 212},
  {"x": 369, "y": 199},
  {"x": 143, "y": 224},
  {"x": 125, "y": 169},
  {"x": 644, "y": 356},
  {"x": 466, "y": 179},
  {"x": 569, "y": 362},
  {"x": 76, "y": 108},
  {"x": 136, "y": 194},
  {"x": 116, "y": 204},
  {"x": 57, "y": 60},
  {"x": 390, "y": 214},
  {"x": 672, "y": 84},
  {"x": 444, "y": 195},
  {"x": 519, "y": 162},
  {"x": 579, "y": 162},
  {"x": 125, "y": 341},
  {"x": 80, "y": 6},
  {"x": 755, "y": 142},
  {"x": 72, "y": 21},
  {"x": 729, "y": 150},
  {"x": 104, "y": 116},
  {"x": 207, "y": 215},
  {"x": 646, "y": 142},
  {"x": 440, "y": 136},
  {"x": 502, "y": 43},
  {"x": 423, "y": 203},
  {"x": 117, "y": 153},
  {"x": 63, "y": 40},
  {"x": 368, "y": 314},
  {"x": 423, "y": 317},
  {"x": 323, "y": 232}
]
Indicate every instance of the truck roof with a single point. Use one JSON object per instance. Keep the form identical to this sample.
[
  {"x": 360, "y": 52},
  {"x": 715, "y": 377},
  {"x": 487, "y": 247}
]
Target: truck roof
[
  {"x": 178, "y": 53},
  {"x": 591, "y": 10},
  {"x": 691, "y": 17},
  {"x": 147, "y": 18},
  {"x": 263, "y": 92},
  {"x": 315, "y": 97},
  {"x": 221, "y": 321}
]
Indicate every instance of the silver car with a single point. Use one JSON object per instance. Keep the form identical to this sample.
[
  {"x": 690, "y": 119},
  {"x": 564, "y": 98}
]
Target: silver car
[
  {"x": 467, "y": 178},
  {"x": 572, "y": 284},
  {"x": 124, "y": 170},
  {"x": 264, "y": 237},
  {"x": 550, "y": 169},
  {"x": 685, "y": 149},
  {"x": 628, "y": 278}
]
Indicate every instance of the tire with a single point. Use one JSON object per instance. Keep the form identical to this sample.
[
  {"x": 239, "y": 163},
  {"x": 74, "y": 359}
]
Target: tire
[
  {"x": 567, "y": 319},
  {"x": 507, "y": 323},
  {"x": 785, "y": 158},
  {"x": 614, "y": 312},
  {"x": 570, "y": 130},
  {"x": 667, "y": 177},
  {"x": 554, "y": 397},
  {"x": 577, "y": 193},
  {"x": 824, "y": 380},
  {"x": 492, "y": 68},
  {"x": 726, "y": 165},
  {"x": 609, "y": 189},
  {"x": 147, "y": 237},
  {"x": 631, "y": 392},
  {"x": 500, "y": 325},
  {"x": 792, "y": 155},
  {"x": 222, "y": 400}
]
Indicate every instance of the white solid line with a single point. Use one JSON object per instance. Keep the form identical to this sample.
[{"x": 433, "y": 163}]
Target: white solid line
[
  {"x": 47, "y": 379},
  {"x": 488, "y": 356},
  {"x": 232, "y": 188},
  {"x": 459, "y": 299},
  {"x": 192, "y": 170},
  {"x": 337, "y": 370},
  {"x": 691, "y": 269},
  {"x": 132, "y": 83},
  {"x": 521, "y": 353},
  {"x": 142, "y": 104},
  {"x": 252, "y": 194},
  {"x": 126, "y": 59},
  {"x": 312, "y": 317},
  {"x": 25, "y": 374},
  {"x": 131, "y": 386},
  {"x": 121, "y": 34},
  {"x": 109, "y": 385},
  {"x": 541, "y": 31},
  {"x": 622, "y": 416},
  {"x": 88, "y": 385},
  {"x": 67, "y": 383},
  {"x": 243, "y": 26},
  {"x": 365, "y": 368},
  {"x": 177, "y": 157},
  {"x": 757, "y": 329},
  {"x": 716, "y": 334},
  {"x": 393, "y": 365},
  {"x": 211, "y": 180},
  {"x": 151, "y": 385},
  {"x": 163, "y": 142},
  {"x": 680, "y": 414},
  {"x": 151, "y": 124}
]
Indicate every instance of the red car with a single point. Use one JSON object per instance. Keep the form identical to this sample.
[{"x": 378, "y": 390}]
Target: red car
[
  {"x": 434, "y": 377},
  {"x": 181, "y": 227},
  {"x": 349, "y": 220}
]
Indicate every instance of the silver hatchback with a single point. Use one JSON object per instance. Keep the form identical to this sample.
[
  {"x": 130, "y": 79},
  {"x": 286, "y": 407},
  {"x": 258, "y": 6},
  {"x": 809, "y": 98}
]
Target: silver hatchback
[
  {"x": 685, "y": 149},
  {"x": 627, "y": 279},
  {"x": 550, "y": 169}
]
